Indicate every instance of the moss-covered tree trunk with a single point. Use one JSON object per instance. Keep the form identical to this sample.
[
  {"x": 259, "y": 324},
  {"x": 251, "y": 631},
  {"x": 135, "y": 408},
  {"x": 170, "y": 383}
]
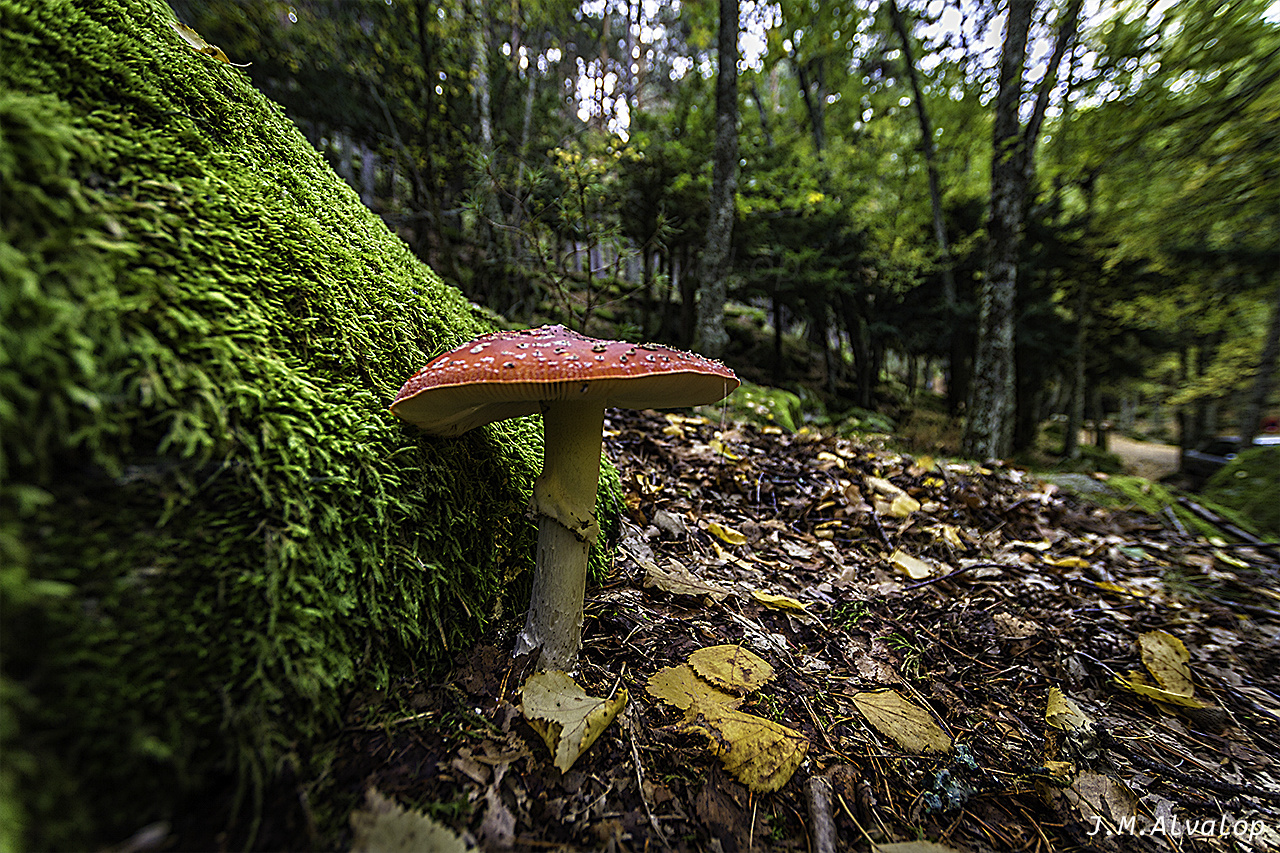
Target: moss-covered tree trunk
[{"x": 211, "y": 529}]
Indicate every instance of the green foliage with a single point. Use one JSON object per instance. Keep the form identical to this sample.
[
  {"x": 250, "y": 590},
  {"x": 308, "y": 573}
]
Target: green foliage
[
  {"x": 769, "y": 406},
  {"x": 1249, "y": 485},
  {"x": 210, "y": 526}
]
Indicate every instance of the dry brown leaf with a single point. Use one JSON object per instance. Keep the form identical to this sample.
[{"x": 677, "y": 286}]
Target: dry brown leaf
[
  {"x": 1094, "y": 796},
  {"x": 912, "y": 727},
  {"x": 678, "y": 580}
]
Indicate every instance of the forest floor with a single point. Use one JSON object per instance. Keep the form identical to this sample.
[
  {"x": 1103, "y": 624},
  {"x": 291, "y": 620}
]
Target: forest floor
[{"x": 957, "y": 659}]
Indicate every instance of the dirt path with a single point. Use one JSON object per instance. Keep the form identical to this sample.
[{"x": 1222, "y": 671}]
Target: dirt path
[{"x": 1143, "y": 458}]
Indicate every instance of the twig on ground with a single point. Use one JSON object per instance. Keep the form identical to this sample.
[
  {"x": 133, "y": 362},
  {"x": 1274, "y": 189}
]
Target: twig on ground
[{"x": 822, "y": 827}]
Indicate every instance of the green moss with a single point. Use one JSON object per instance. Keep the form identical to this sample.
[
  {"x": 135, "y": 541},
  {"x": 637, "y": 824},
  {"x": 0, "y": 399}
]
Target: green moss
[
  {"x": 210, "y": 525},
  {"x": 1249, "y": 485}
]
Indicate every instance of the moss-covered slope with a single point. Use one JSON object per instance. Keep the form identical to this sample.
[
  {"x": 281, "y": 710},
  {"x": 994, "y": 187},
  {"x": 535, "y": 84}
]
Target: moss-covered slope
[{"x": 210, "y": 526}]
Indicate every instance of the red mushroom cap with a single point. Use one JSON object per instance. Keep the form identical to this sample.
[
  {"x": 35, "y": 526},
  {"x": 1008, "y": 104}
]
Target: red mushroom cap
[{"x": 510, "y": 374}]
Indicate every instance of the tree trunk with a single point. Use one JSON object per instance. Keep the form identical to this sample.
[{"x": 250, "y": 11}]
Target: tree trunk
[
  {"x": 949, "y": 293},
  {"x": 1263, "y": 379},
  {"x": 1075, "y": 414},
  {"x": 484, "y": 120},
  {"x": 711, "y": 337},
  {"x": 368, "y": 174},
  {"x": 990, "y": 423},
  {"x": 989, "y": 428}
]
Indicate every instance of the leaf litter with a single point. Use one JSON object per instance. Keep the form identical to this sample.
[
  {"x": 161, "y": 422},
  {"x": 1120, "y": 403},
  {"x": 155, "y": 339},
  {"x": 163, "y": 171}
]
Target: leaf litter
[{"x": 1061, "y": 677}]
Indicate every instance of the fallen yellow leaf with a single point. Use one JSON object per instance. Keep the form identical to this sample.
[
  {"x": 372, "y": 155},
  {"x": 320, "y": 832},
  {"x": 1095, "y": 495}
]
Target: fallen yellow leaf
[
  {"x": 912, "y": 727},
  {"x": 731, "y": 668},
  {"x": 1063, "y": 713},
  {"x": 884, "y": 487},
  {"x": 1230, "y": 559},
  {"x": 383, "y": 825},
  {"x": 1115, "y": 587},
  {"x": 779, "y": 602},
  {"x": 1165, "y": 657},
  {"x": 759, "y": 753},
  {"x": 680, "y": 687},
  {"x": 568, "y": 720},
  {"x": 720, "y": 448},
  {"x": 1137, "y": 683},
  {"x": 727, "y": 534},
  {"x": 903, "y": 505},
  {"x": 912, "y": 567}
]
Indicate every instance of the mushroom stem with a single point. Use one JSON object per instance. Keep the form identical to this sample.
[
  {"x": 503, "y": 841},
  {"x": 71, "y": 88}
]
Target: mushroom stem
[{"x": 564, "y": 498}]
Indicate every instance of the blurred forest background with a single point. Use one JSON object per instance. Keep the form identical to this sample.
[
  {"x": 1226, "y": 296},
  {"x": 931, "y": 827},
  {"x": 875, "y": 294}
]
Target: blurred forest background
[{"x": 560, "y": 161}]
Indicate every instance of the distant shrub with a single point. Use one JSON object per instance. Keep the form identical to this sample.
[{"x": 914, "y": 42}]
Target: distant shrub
[
  {"x": 1250, "y": 484},
  {"x": 1093, "y": 458}
]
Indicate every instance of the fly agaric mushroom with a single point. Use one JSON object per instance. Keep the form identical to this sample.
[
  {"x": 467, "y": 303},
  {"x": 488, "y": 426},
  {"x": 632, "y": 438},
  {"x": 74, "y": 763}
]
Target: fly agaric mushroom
[{"x": 571, "y": 379}]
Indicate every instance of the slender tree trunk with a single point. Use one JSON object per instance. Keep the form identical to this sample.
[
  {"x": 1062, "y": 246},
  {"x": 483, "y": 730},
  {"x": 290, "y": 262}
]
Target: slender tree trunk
[
  {"x": 490, "y": 210},
  {"x": 1263, "y": 378},
  {"x": 956, "y": 390},
  {"x": 1075, "y": 414},
  {"x": 368, "y": 174},
  {"x": 991, "y": 417},
  {"x": 777, "y": 334},
  {"x": 815, "y": 104},
  {"x": 764, "y": 114},
  {"x": 710, "y": 336},
  {"x": 989, "y": 428}
]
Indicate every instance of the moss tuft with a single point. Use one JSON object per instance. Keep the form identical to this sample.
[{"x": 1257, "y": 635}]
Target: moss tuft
[{"x": 210, "y": 526}]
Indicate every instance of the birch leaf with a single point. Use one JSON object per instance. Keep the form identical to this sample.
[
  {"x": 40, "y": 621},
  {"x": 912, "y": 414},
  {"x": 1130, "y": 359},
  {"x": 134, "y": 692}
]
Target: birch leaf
[
  {"x": 385, "y": 826},
  {"x": 1165, "y": 657},
  {"x": 1063, "y": 713},
  {"x": 903, "y": 505},
  {"x": 197, "y": 43},
  {"x": 680, "y": 687},
  {"x": 1138, "y": 683},
  {"x": 779, "y": 602},
  {"x": 911, "y": 726},
  {"x": 568, "y": 720},
  {"x": 912, "y": 567},
  {"x": 759, "y": 753},
  {"x": 727, "y": 534},
  {"x": 732, "y": 669}
]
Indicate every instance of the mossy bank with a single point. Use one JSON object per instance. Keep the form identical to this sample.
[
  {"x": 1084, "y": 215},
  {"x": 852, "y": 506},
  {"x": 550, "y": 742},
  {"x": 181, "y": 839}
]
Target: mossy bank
[{"x": 211, "y": 528}]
